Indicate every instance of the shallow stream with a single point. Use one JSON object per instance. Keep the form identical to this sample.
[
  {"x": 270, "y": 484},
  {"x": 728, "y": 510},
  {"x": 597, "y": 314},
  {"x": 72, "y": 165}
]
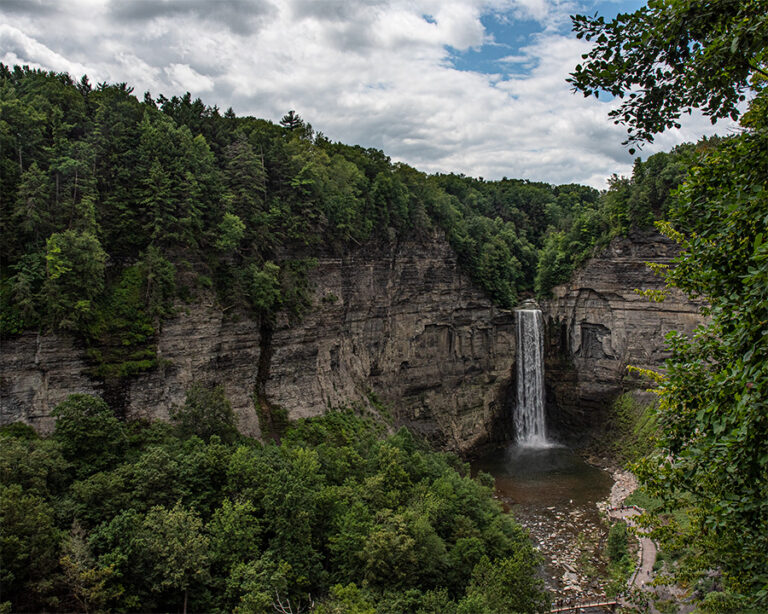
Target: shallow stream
[{"x": 553, "y": 493}]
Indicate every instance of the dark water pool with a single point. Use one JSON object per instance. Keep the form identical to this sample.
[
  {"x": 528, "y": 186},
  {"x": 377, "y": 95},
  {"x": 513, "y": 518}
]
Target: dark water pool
[
  {"x": 544, "y": 477},
  {"x": 553, "y": 492}
]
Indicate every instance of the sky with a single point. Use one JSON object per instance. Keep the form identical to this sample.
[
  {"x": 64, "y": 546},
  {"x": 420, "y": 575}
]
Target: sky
[{"x": 467, "y": 86}]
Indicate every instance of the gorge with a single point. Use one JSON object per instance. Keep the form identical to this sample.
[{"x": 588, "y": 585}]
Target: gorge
[
  {"x": 402, "y": 325},
  {"x": 248, "y": 368},
  {"x": 400, "y": 322}
]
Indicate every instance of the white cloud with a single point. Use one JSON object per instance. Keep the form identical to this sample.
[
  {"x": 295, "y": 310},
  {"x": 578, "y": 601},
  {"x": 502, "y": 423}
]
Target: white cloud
[
  {"x": 184, "y": 77},
  {"x": 514, "y": 59},
  {"x": 17, "y": 45},
  {"x": 374, "y": 72}
]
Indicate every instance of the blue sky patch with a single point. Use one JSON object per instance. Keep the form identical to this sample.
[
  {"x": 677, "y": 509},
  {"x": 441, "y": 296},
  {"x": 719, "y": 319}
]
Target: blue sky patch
[{"x": 510, "y": 35}]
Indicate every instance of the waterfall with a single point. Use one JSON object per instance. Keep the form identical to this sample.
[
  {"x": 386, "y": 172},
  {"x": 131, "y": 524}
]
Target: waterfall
[{"x": 530, "y": 425}]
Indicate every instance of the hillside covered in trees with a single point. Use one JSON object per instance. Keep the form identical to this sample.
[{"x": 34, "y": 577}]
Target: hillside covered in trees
[
  {"x": 115, "y": 211},
  {"x": 115, "y": 208}
]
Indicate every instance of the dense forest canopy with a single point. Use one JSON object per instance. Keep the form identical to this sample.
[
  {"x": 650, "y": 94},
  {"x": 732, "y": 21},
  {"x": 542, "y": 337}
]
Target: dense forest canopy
[
  {"x": 116, "y": 209},
  {"x": 137, "y": 517}
]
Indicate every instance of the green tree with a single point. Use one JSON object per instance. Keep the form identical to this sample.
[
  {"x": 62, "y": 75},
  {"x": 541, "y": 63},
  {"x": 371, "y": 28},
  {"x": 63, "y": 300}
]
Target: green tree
[
  {"x": 292, "y": 515},
  {"x": 617, "y": 546},
  {"x": 177, "y": 548},
  {"x": 29, "y": 543},
  {"x": 155, "y": 479},
  {"x": 264, "y": 288},
  {"x": 292, "y": 121},
  {"x": 25, "y": 288},
  {"x": 341, "y": 190},
  {"x": 235, "y": 534},
  {"x": 508, "y": 585},
  {"x": 32, "y": 213},
  {"x": 712, "y": 453},
  {"x": 672, "y": 56},
  {"x": 389, "y": 558},
  {"x": 75, "y": 184},
  {"x": 245, "y": 178},
  {"x": 713, "y": 416},
  {"x": 116, "y": 139},
  {"x": 348, "y": 540},
  {"x": 90, "y": 435},
  {"x": 347, "y": 599},
  {"x": 87, "y": 581},
  {"x": 231, "y": 232},
  {"x": 75, "y": 266},
  {"x": 177, "y": 182},
  {"x": 37, "y": 465},
  {"x": 159, "y": 203},
  {"x": 206, "y": 412},
  {"x": 254, "y": 586},
  {"x": 159, "y": 282}
]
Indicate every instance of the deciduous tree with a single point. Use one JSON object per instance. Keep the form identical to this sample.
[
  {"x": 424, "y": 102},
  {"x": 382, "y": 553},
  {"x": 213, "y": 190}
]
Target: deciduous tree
[{"x": 665, "y": 59}]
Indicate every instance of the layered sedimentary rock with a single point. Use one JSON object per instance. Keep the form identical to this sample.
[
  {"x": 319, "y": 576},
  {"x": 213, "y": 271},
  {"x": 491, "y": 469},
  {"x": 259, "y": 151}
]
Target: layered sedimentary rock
[
  {"x": 396, "y": 322},
  {"x": 597, "y": 326},
  {"x": 36, "y": 373}
]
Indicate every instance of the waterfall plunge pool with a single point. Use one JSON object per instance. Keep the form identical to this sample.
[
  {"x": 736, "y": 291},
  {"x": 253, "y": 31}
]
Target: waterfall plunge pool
[
  {"x": 541, "y": 477},
  {"x": 553, "y": 493},
  {"x": 549, "y": 489}
]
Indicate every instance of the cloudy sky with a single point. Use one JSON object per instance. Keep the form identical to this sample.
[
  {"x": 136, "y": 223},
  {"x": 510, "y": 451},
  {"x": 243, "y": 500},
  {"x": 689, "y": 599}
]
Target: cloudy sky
[{"x": 470, "y": 86}]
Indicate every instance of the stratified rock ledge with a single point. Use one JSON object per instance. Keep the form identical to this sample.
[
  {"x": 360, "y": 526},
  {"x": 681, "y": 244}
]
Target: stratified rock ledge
[
  {"x": 400, "y": 321},
  {"x": 597, "y": 326}
]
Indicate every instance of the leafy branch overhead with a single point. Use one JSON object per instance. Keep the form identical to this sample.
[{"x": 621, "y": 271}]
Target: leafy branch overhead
[
  {"x": 673, "y": 56},
  {"x": 712, "y": 447}
]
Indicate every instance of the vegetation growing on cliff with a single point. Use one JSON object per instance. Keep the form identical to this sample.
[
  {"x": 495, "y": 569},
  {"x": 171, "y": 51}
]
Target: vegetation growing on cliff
[
  {"x": 188, "y": 517},
  {"x": 712, "y": 449},
  {"x": 114, "y": 208},
  {"x": 629, "y": 205}
]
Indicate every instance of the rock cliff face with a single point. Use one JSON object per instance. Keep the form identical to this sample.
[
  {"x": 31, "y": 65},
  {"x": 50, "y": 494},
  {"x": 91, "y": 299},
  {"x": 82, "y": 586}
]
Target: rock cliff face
[
  {"x": 36, "y": 373},
  {"x": 400, "y": 322},
  {"x": 596, "y": 326}
]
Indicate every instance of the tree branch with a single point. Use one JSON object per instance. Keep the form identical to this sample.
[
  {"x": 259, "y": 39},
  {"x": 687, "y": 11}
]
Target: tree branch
[{"x": 757, "y": 69}]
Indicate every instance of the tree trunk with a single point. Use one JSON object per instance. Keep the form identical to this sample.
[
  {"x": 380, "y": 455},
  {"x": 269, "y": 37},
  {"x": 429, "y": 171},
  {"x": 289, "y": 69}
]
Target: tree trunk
[{"x": 185, "y": 601}]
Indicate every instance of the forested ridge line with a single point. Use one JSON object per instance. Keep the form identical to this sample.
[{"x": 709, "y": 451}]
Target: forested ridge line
[{"x": 114, "y": 209}]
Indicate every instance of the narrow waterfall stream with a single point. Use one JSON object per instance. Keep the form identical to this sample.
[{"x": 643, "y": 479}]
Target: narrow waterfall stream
[{"x": 530, "y": 421}]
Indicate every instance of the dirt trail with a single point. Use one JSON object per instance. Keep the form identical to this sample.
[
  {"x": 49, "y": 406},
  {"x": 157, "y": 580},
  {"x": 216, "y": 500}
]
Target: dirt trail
[
  {"x": 624, "y": 485},
  {"x": 647, "y": 547}
]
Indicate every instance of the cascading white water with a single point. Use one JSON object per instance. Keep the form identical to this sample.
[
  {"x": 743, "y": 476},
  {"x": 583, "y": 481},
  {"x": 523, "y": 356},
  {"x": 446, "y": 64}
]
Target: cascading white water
[{"x": 530, "y": 425}]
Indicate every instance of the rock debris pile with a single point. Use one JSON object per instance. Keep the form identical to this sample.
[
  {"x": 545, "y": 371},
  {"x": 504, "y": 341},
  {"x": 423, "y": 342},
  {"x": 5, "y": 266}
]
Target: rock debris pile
[{"x": 569, "y": 538}]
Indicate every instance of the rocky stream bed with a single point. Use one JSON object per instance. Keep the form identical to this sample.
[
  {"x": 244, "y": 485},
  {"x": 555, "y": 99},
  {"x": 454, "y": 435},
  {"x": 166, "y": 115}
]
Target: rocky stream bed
[{"x": 561, "y": 500}]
